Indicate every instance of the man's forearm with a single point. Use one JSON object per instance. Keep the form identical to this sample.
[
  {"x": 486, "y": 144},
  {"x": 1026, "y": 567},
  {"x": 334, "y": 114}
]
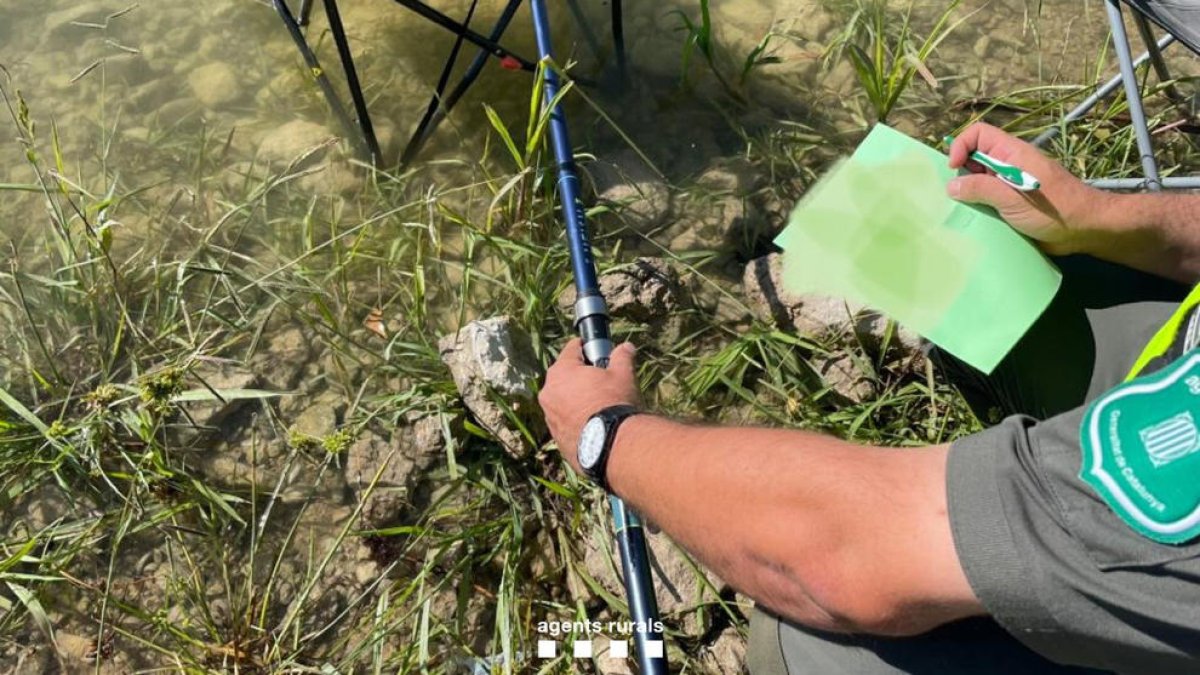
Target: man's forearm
[
  {"x": 1153, "y": 232},
  {"x": 795, "y": 520}
]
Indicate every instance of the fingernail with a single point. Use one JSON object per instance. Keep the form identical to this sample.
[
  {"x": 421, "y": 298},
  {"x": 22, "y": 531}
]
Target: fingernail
[{"x": 954, "y": 187}]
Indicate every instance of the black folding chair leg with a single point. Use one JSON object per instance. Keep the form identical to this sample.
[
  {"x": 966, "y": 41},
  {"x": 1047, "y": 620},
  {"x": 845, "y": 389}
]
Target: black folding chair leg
[
  {"x": 305, "y": 11},
  {"x": 618, "y": 32},
  {"x": 314, "y": 67},
  {"x": 493, "y": 47},
  {"x": 356, "y": 93},
  {"x": 443, "y": 106}
]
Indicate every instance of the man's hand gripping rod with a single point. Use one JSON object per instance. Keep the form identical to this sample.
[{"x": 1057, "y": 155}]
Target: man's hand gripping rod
[{"x": 591, "y": 320}]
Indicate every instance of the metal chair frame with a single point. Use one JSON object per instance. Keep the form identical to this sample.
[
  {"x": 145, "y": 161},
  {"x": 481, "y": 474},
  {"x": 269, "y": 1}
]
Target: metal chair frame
[{"x": 1127, "y": 78}]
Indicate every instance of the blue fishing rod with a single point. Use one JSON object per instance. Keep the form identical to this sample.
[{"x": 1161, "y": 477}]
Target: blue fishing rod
[{"x": 592, "y": 322}]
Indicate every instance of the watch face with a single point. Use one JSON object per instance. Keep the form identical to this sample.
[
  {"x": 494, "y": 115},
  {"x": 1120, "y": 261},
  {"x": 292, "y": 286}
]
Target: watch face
[{"x": 591, "y": 442}]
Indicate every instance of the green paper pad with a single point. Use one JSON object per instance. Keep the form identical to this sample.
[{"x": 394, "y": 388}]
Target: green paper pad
[{"x": 880, "y": 230}]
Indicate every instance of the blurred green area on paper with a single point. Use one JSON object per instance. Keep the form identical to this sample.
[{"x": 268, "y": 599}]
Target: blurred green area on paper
[{"x": 879, "y": 229}]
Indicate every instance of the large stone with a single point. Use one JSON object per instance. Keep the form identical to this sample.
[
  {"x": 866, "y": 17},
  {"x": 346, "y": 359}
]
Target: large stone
[
  {"x": 215, "y": 84},
  {"x": 647, "y": 290},
  {"x": 717, "y": 213},
  {"x": 842, "y": 375},
  {"x": 494, "y": 359},
  {"x": 400, "y": 461},
  {"x": 295, "y": 140},
  {"x": 685, "y": 589},
  {"x": 223, "y": 378},
  {"x": 625, "y": 184},
  {"x": 809, "y": 314},
  {"x": 812, "y": 313},
  {"x": 726, "y": 655}
]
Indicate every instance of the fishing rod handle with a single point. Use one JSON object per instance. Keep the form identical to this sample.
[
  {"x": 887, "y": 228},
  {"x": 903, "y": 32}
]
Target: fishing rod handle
[{"x": 591, "y": 322}]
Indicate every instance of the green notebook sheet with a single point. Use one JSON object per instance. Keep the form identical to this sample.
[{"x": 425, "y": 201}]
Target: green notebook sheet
[{"x": 879, "y": 229}]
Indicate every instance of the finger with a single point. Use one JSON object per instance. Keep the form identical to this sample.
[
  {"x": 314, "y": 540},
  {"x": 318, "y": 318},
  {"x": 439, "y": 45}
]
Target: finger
[
  {"x": 571, "y": 354},
  {"x": 978, "y": 188},
  {"x": 623, "y": 358},
  {"x": 983, "y": 137}
]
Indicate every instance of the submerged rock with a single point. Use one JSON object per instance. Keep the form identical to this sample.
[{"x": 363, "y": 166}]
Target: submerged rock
[
  {"x": 290, "y": 141},
  {"x": 215, "y": 84},
  {"x": 221, "y": 376},
  {"x": 633, "y": 190},
  {"x": 491, "y": 359},
  {"x": 400, "y": 460}
]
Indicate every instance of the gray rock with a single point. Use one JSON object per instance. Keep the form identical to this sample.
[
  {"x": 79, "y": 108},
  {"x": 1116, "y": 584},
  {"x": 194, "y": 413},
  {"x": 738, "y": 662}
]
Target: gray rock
[
  {"x": 489, "y": 359},
  {"x": 811, "y": 313},
  {"x": 283, "y": 360},
  {"x": 321, "y": 416},
  {"x": 288, "y": 143},
  {"x": 646, "y": 290},
  {"x": 840, "y": 374},
  {"x": 400, "y": 460},
  {"x": 726, "y": 655},
  {"x": 215, "y": 84},
  {"x": 684, "y": 588},
  {"x": 221, "y": 376},
  {"x": 633, "y": 190}
]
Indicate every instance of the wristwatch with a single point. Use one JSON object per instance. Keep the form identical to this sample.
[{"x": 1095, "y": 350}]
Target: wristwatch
[{"x": 596, "y": 440}]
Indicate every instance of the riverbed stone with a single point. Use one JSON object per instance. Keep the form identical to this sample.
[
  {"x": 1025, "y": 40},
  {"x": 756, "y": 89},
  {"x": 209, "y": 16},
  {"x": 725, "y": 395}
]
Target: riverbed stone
[
  {"x": 685, "y": 588},
  {"x": 638, "y": 195},
  {"x": 726, "y": 655},
  {"x": 221, "y": 376},
  {"x": 296, "y": 139},
  {"x": 647, "y": 290},
  {"x": 814, "y": 314},
  {"x": 401, "y": 460},
  {"x": 494, "y": 359},
  {"x": 215, "y": 84}
]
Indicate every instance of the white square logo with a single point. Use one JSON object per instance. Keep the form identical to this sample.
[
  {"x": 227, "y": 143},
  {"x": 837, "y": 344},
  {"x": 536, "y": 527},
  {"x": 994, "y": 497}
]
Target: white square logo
[
  {"x": 583, "y": 649},
  {"x": 654, "y": 649},
  {"x": 547, "y": 649},
  {"x": 618, "y": 649}
]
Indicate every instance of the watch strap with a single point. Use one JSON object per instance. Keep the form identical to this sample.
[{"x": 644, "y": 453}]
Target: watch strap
[{"x": 613, "y": 416}]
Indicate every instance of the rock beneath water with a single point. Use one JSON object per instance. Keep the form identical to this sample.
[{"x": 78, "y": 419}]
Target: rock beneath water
[
  {"x": 67, "y": 19},
  {"x": 215, "y": 84},
  {"x": 321, "y": 417},
  {"x": 294, "y": 140},
  {"x": 632, "y": 189},
  {"x": 646, "y": 291},
  {"x": 221, "y": 376},
  {"x": 490, "y": 359},
  {"x": 45, "y": 505},
  {"x": 717, "y": 214},
  {"x": 284, "y": 359},
  {"x": 811, "y": 313},
  {"x": 685, "y": 589},
  {"x": 401, "y": 460}
]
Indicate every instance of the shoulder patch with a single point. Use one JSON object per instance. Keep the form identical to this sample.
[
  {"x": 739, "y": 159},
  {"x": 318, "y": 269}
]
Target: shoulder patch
[{"x": 1141, "y": 451}]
